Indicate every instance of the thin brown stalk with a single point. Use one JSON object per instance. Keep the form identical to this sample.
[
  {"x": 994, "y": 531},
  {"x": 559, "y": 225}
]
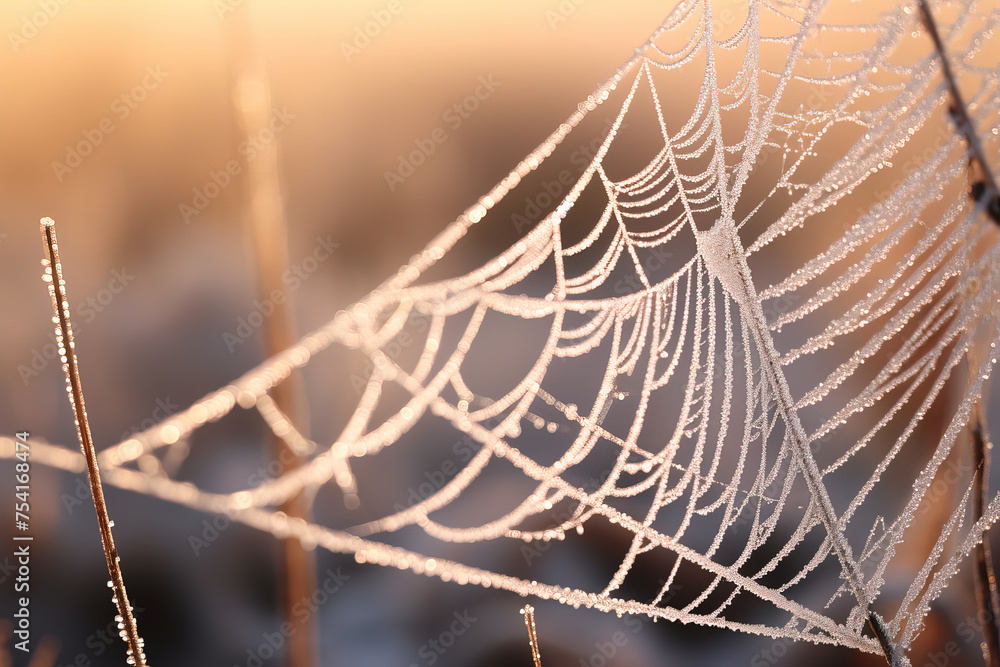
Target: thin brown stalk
[
  {"x": 67, "y": 348},
  {"x": 986, "y": 585},
  {"x": 529, "y": 620},
  {"x": 892, "y": 653},
  {"x": 963, "y": 121},
  {"x": 267, "y": 228}
]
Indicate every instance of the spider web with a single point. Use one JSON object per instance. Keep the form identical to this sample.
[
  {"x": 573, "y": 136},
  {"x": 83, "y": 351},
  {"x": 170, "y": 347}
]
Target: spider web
[{"x": 654, "y": 361}]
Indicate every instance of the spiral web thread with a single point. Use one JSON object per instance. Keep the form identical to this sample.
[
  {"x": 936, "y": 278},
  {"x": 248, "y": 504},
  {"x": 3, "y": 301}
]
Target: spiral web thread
[{"x": 749, "y": 334}]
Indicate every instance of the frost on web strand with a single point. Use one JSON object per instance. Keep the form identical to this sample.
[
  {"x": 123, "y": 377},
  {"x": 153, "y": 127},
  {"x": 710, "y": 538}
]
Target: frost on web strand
[{"x": 757, "y": 318}]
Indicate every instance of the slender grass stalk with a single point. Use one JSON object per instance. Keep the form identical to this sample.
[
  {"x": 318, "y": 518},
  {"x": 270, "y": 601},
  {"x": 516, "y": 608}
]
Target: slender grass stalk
[
  {"x": 129, "y": 631},
  {"x": 266, "y": 225},
  {"x": 985, "y": 580},
  {"x": 963, "y": 121},
  {"x": 529, "y": 620},
  {"x": 986, "y": 585},
  {"x": 893, "y": 655}
]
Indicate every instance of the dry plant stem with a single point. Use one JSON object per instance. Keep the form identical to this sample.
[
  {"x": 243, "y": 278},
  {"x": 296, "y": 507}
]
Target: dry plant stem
[
  {"x": 64, "y": 334},
  {"x": 986, "y": 589},
  {"x": 529, "y": 620},
  {"x": 960, "y": 114},
  {"x": 986, "y": 585},
  {"x": 265, "y": 222},
  {"x": 892, "y": 653}
]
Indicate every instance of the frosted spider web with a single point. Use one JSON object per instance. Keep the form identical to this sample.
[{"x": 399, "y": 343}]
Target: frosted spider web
[{"x": 743, "y": 344}]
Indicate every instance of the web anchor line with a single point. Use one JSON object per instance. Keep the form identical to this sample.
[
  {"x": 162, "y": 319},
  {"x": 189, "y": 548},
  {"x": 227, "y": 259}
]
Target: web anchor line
[{"x": 959, "y": 112}]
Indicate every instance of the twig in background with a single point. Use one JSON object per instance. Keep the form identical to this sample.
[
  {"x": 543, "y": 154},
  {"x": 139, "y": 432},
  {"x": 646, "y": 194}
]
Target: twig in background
[
  {"x": 963, "y": 121},
  {"x": 53, "y": 275},
  {"x": 986, "y": 589},
  {"x": 529, "y": 620},
  {"x": 264, "y": 221},
  {"x": 893, "y": 655},
  {"x": 986, "y": 585}
]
